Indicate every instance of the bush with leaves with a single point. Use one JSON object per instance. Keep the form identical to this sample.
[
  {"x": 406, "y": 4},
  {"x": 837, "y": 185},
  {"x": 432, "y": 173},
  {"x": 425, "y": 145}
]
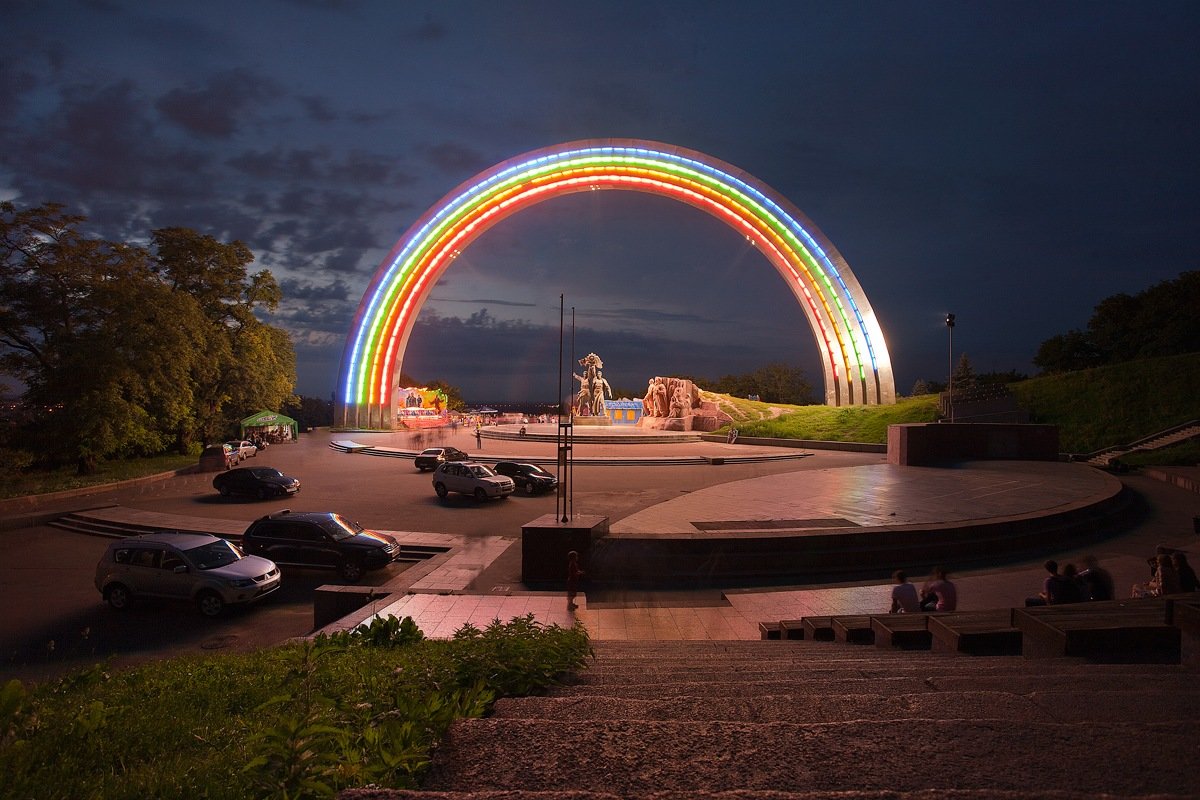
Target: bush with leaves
[{"x": 299, "y": 721}]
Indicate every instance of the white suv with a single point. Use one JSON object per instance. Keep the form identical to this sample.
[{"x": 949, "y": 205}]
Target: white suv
[
  {"x": 467, "y": 477},
  {"x": 199, "y": 567}
]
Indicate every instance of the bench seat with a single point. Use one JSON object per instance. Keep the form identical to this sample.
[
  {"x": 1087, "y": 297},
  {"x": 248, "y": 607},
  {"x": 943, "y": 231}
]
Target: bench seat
[
  {"x": 853, "y": 629},
  {"x": 905, "y": 631},
  {"x": 977, "y": 633},
  {"x": 1123, "y": 631},
  {"x": 817, "y": 629}
]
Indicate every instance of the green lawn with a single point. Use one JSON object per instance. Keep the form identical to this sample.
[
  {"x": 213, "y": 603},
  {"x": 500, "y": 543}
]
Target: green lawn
[{"x": 19, "y": 483}]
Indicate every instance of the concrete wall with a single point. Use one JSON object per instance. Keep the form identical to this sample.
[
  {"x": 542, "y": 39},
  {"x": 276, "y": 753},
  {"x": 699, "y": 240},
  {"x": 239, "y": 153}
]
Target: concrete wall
[{"x": 928, "y": 443}]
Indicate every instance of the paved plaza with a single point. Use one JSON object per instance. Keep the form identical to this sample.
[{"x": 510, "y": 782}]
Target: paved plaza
[{"x": 478, "y": 579}]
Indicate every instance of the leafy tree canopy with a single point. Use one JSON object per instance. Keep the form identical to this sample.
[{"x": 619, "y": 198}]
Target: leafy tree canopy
[
  {"x": 127, "y": 350},
  {"x": 1159, "y": 321}
]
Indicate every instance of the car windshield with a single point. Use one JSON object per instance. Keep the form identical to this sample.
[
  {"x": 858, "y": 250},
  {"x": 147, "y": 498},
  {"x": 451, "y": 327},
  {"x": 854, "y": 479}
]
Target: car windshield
[
  {"x": 215, "y": 554},
  {"x": 482, "y": 472},
  {"x": 341, "y": 528},
  {"x": 267, "y": 472},
  {"x": 534, "y": 469}
]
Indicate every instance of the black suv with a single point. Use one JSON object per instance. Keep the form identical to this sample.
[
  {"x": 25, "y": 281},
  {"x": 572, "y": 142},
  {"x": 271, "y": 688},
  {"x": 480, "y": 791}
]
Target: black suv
[
  {"x": 529, "y": 477},
  {"x": 320, "y": 539},
  {"x": 430, "y": 457}
]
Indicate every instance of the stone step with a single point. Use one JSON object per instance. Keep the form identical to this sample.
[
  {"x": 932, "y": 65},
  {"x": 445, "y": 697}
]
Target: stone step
[
  {"x": 77, "y": 523},
  {"x": 1179, "y": 680},
  {"x": 635, "y": 759},
  {"x": 741, "y": 794},
  {"x": 1064, "y": 705},
  {"x": 601, "y": 675}
]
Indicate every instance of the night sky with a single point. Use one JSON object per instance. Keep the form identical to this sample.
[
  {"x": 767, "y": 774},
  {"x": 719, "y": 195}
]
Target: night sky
[{"x": 1011, "y": 162}]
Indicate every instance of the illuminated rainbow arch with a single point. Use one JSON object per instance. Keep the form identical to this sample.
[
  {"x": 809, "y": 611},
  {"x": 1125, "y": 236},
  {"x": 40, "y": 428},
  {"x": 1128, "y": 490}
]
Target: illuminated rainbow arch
[{"x": 854, "y": 356}]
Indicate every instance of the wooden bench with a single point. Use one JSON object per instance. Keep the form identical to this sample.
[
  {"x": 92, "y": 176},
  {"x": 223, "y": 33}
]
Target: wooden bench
[
  {"x": 905, "y": 631},
  {"x": 977, "y": 633},
  {"x": 1185, "y": 615},
  {"x": 792, "y": 628},
  {"x": 1124, "y": 631},
  {"x": 853, "y": 629},
  {"x": 817, "y": 629},
  {"x": 770, "y": 630}
]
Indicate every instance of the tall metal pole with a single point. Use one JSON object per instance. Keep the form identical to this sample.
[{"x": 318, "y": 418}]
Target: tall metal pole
[
  {"x": 560, "y": 498},
  {"x": 571, "y": 449},
  {"x": 950, "y": 374}
]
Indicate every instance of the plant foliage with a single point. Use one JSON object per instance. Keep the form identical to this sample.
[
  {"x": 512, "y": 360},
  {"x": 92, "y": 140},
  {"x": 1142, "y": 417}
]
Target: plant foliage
[{"x": 299, "y": 721}]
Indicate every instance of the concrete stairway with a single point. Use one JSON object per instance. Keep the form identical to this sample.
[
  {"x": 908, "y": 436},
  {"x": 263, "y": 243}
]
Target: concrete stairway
[
  {"x": 1106, "y": 458},
  {"x": 784, "y": 720}
]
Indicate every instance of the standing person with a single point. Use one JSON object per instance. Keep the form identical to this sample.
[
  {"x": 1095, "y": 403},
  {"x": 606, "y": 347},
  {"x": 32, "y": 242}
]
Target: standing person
[
  {"x": 478, "y": 438},
  {"x": 939, "y": 594},
  {"x": 904, "y": 595},
  {"x": 574, "y": 573}
]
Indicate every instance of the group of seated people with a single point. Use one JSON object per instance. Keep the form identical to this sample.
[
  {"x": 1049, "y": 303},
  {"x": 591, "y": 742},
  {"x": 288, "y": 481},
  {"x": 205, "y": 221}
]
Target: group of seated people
[
  {"x": 1170, "y": 573},
  {"x": 938, "y": 594},
  {"x": 1073, "y": 585}
]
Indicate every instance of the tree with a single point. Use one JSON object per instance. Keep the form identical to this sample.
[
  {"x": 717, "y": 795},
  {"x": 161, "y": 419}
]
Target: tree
[
  {"x": 73, "y": 328},
  {"x": 964, "y": 374},
  {"x": 124, "y": 351},
  {"x": 773, "y": 383},
  {"x": 244, "y": 364},
  {"x": 1158, "y": 321}
]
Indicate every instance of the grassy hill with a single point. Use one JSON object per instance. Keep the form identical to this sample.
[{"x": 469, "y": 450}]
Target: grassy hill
[
  {"x": 1093, "y": 408},
  {"x": 1104, "y": 406},
  {"x": 826, "y": 423}
]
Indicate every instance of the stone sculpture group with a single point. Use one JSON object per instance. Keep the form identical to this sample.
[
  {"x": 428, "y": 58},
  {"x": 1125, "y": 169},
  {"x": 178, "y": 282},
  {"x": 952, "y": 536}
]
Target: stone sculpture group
[
  {"x": 671, "y": 404},
  {"x": 589, "y": 402}
]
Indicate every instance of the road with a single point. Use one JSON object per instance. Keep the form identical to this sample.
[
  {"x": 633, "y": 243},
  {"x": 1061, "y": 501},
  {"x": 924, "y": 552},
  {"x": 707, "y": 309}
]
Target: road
[{"x": 54, "y": 619}]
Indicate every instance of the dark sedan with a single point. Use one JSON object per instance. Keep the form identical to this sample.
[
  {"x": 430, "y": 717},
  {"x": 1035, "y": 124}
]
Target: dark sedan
[
  {"x": 430, "y": 457},
  {"x": 529, "y": 478},
  {"x": 260, "y": 482}
]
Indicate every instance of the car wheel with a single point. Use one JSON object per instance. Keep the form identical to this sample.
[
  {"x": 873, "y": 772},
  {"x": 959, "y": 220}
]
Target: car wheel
[
  {"x": 440, "y": 488},
  {"x": 210, "y": 604},
  {"x": 350, "y": 570},
  {"x": 529, "y": 487},
  {"x": 224, "y": 490},
  {"x": 480, "y": 495},
  {"x": 118, "y": 597}
]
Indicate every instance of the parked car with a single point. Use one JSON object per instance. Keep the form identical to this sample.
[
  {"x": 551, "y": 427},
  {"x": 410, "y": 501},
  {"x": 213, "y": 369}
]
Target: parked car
[
  {"x": 209, "y": 571},
  {"x": 217, "y": 457},
  {"x": 431, "y": 457},
  {"x": 243, "y": 448},
  {"x": 321, "y": 540},
  {"x": 530, "y": 478},
  {"x": 260, "y": 482},
  {"x": 467, "y": 477}
]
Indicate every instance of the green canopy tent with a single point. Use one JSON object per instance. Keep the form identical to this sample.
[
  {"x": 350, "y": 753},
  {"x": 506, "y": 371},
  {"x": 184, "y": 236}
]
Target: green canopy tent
[{"x": 267, "y": 420}]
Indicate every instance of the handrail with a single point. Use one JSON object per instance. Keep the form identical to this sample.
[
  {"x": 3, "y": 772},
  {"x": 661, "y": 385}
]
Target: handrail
[{"x": 1137, "y": 443}]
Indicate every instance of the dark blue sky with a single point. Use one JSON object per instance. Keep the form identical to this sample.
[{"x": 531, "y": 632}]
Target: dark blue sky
[{"x": 1011, "y": 162}]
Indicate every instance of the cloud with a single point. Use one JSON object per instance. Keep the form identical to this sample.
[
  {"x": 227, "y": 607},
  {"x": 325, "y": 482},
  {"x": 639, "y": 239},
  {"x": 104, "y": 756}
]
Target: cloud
[
  {"x": 456, "y": 158},
  {"x": 216, "y": 108}
]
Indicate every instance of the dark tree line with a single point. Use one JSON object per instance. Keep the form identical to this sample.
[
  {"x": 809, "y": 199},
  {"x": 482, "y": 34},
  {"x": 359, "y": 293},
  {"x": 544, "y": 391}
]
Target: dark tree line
[
  {"x": 773, "y": 383},
  {"x": 130, "y": 350},
  {"x": 1160, "y": 321}
]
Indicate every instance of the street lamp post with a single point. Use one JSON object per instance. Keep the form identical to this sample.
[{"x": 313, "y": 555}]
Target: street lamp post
[{"x": 950, "y": 374}]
